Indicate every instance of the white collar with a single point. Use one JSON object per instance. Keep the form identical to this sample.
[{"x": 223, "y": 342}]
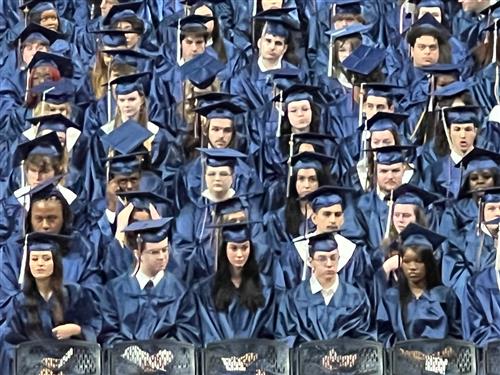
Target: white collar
[
  {"x": 22, "y": 195},
  {"x": 455, "y": 157},
  {"x": 206, "y": 194},
  {"x": 263, "y": 69},
  {"x": 110, "y": 126},
  {"x": 341, "y": 77},
  {"x": 72, "y": 136},
  {"x": 381, "y": 194},
  {"x": 328, "y": 293},
  {"x": 142, "y": 279}
]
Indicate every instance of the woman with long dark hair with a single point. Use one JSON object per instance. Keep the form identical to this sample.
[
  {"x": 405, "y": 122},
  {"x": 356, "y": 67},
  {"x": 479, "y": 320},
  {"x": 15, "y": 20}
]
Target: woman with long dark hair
[
  {"x": 234, "y": 302},
  {"x": 420, "y": 307}
]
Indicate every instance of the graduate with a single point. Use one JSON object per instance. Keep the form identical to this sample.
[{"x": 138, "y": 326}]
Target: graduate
[
  {"x": 62, "y": 310},
  {"x": 235, "y": 302},
  {"x": 420, "y": 306},
  {"x": 149, "y": 303},
  {"x": 324, "y": 307}
]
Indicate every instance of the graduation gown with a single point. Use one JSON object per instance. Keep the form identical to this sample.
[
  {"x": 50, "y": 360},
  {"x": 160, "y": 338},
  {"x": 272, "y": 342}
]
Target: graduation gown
[
  {"x": 434, "y": 315},
  {"x": 165, "y": 311},
  {"x": 238, "y": 321},
  {"x": 305, "y": 317},
  {"x": 481, "y": 320}
]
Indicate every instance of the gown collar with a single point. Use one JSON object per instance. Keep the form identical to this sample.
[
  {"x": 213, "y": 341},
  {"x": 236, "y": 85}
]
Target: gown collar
[
  {"x": 206, "y": 194},
  {"x": 328, "y": 293},
  {"x": 263, "y": 69},
  {"x": 142, "y": 279}
]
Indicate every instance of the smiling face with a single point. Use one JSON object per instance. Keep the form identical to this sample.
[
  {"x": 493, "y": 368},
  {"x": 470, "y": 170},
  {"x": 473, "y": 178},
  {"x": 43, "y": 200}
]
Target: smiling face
[
  {"x": 41, "y": 264},
  {"x": 49, "y": 19}
]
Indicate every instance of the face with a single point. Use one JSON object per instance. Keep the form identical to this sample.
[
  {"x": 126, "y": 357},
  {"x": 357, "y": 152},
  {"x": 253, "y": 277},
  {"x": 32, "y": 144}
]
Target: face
[
  {"x": 306, "y": 147},
  {"x": 40, "y": 74},
  {"x": 218, "y": 179},
  {"x": 238, "y": 253},
  {"x": 328, "y": 219},
  {"x": 52, "y": 109},
  {"x": 344, "y": 22},
  {"x": 324, "y": 265},
  {"x": 463, "y": 136},
  {"x": 220, "y": 132},
  {"x": 47, "y": 216},
  {"x": 106, "y": 5},
  {"x": 300, "y": 114},
  {"x": 413, "y": 267},
  {"x": 141, "y": 215},
  {"x": 272, "y": 48},
  {"x": 481, "y": 179},
  {"x": 491, "y": 212},
  {"x": 307, "y": 181},
  {"x": 41, "y": 264},
  {"x": 381, "y": 139},
  {"x": 30, "y": 49},
  {"x": 35, "y": 176},
  {"x": 49, "y": 20},
  {"x": 473, "y": 5},
  {"x": 271, "y": 4},
  {"x": 154, "y": 257},
  {"x": 234, "y": 217},
  {"x": 192, "y": 46},
  {"x": 375, "y": 104},
  {"x": 128, "y": 182},
  {"x": 425, "y": 52},
  {"x": 402, "y": 215},
  {"x": 130, "y": 105},
  {"x": 344, "y": 50},
  {"x": 132, "y": 38},
  {"x": 434, "y": 11},
  {"x": 389, "y": 177},
  {"x": 205, "y": 11}
]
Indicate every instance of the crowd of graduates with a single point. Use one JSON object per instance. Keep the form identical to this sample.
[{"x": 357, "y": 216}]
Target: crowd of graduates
[{"x": 288, "y": 169}]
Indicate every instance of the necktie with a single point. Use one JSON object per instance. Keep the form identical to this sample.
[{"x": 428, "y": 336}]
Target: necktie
[{"x": 149, "y": 285}]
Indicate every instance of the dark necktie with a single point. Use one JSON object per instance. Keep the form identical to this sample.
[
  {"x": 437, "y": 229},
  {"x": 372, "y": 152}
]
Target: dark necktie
[{"x": 149, "y": 285}]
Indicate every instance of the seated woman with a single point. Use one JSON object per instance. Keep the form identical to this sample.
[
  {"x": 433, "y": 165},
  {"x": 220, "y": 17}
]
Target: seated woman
[
  {"x": 234, "y": 302},
  {"x": 48, "y": 307},
  {"x": 150, "y": 303},
  {"x": 324, "y": 307},
  {"x": 420, "y": 307}
]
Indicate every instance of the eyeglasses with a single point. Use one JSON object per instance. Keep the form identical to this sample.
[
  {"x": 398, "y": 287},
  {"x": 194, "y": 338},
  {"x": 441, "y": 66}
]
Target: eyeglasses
[{"x": 325, "y": 258}]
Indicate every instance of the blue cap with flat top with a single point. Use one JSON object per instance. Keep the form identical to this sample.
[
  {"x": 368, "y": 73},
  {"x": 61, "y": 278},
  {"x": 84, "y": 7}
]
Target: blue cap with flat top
[
  {"x": 310, "y": 160},
  {"x": 326, "y": 196},
  {"x": 386, "y": 121},
  {"x": 201, "y": 70},
  {"x": 462, "y": 115},
  {"x": 356, "y": 29},
  {"x": 56, "y": 92},
  {"x": 55, "y": 122},
  {"x": 389, "y": 155},
  {"x": 61, "y": 63},
  {"x": 411, "y": 194},
  {"x": 130, "y": 83},
  {"x": 364, "y": 60},
  {"x": 347, "y": 6},
  {"x": 278, "y": 21},
  {"x": 118, "y": 9},
  {"x": 222, "y": 109},
  {"x": 37, "y": 33},
  {"x": 221, "y": 157},
  {"x": 324, "y": 242},
  {"x": 151, "y": 231},
  {"x": 427, "y": 25},
  {"x": 454, "y": 89},
  {"x": 43, "y": 241},
  {"x": 37, "y": 6},
  {"x": 416, "y": 235},
  {"x": 128, "y": 137},
  {"x": 47, "y": 144}
]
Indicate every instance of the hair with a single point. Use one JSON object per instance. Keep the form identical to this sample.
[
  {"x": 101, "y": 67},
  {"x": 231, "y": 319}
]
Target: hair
[
  {"x": 250, "y": 290},
  {"x": 353, "y": 41},
  {"x": 432, "y": 275},
  {"x": 350, "y": 17},
  {"x": 31, "y": 293},
  {"x": 41, "y": 108},
  {"x": 216, "y": 35},
  {"x": 33, "y": 99},
  {"x": 131, "y": 237},
  {"x": 136, "y": 23},
  {"x": 483, "y": 52},
  {"x": 45, "y": 163},
  {"x": 293, "y": 215},
  {"x": 290, "y": 54},
  {"x": 67, "y": 213}
]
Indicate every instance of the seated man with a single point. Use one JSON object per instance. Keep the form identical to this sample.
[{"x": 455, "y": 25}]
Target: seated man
[
  {"x": 324, "y": 307},
  {"x": 150, "y": 303}
]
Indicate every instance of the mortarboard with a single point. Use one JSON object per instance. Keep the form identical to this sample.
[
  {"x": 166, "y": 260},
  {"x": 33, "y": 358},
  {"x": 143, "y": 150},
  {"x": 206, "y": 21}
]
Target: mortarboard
[
  {"x": 210, "y": 97},
  {"x": 416, "y": 235},
  {"x": 35, "y": 32},
  {"x": 37, "y": 6},
  {"x": 128, "y": 137},
  {"x": 490, "y": 195},
  {"x": 349, "y": 31},
  {"x": 386, "y": 121},
  {"x": 43, "y": 241},
  {"x": 130, "y": 83},
  {"x": 411, "y": 194},
  {"x": 322, "y": 242},
  {"x": 314, "y": 139},
  {"x": 364, "y": 60},
  {"x": 298, "y": 92},
  {"x": 47, "y": 144},
  {"x": 453, "y": 89},
  {"x": 114, "y": 39},
  {"x": 57, "y": 92},
  {"x": 310, "y": 160},
  {"x": 347, "y": 6},
  {"x": 201, "y": 70},
  {"x": 132, "y": 6},
  {"x": 230, "y": 205},
  {"x": 389, "y": 155},
  {"x": 221, "y": 157},
  {"x": 125, "y": 56},
  {"x": 221, "y": 109},
  {"x": 442, "y": 69},
  {"x": 236, "y": 232},
  {"x": 151, "y": 231},
  {"x": 192, "y": 23},
  {"x": 278, "y": 21},
  {"x": 326, "y": 196},
  {"x": 429, "y": 3},
  {"x": 125, "y": 165},
  {"x": 385, "y": 90},
  {"x": 142, "y": 199},
  {"x": 477, "y": 159},
  {"x": 63, "y": 64},
  {"x": 56, "y": 122},
  {"x": 427, "y": 25},
  {"x": 462, "y": 115}
]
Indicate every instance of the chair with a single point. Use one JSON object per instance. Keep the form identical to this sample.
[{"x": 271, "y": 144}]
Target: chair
[
  {"x": 340, "y": 356},
  {"x": 246, "y": 356},
  {"x": 58, "y": 357},
  {"x": 432, "y": 356},
  {"x": 152, "y": 357},
  {"x": 492, "y": 358}
]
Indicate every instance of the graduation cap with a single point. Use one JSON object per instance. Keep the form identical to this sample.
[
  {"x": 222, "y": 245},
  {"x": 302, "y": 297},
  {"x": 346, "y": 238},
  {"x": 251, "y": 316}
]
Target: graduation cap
[
  {"x": 411, "y": 194},
  {"x": 142, "y": 199},
  {"x": 122, "y": 12},
  {"x": 222, "y": 109},
  {"x": 314, "y": 139},
  {"x": 462, "y": 115},
  {"x": 348, "y": 31},
  {"x": 125, "y": 56},
  {"x": 47, "y": 144},
  {"x": 347, "y": 7},
  {"x": 454, "y": 89},
  {"x": 201, "y": 70},
  {"x": 477, "y": 159},
  {"x": 385, "y": 90},
  {"x": 151, "y": 230},
  {"x": 57, "y": 92},
  {"x": 284, "y": 78},
  {"x": 427, "y": 25},
  {"x": 221, "y": 157},
  {"x": 128, "y": 137},
  {"x": 324, "y": 242},
  {"x": 310, "y": 160},
  {"x": 236, "y": 232},
  {"x": 211, "y": 97},
  {"x": 278, "y": 22},
  {"x": 63, "y": 64},
  {"x": 113, "y": 39},
  {"x": 194, "y": 2},
  {"x": 299, "y": 92},
  {"x": 55, "y": 122},
  {"x": 490, "y": 195},
  {"x": 127, "y": 164},
  {"x": 326, "y": 196},
  {"x": 228, "y": 206},
  {"x": 386, "y": 121},
  {"x": 442, "y": 69},
  {"x": 192, "y": 23},
  {"x": 130, "y": 83},
  {"x": 37, "y": 6},
  {"x": 429, "y": 3},
  {"x": 37, "y": 33},
  {"x": 364, "y": 60},
  {"x": 389, "y": 155},
  {"x": 416, "y": 235}
]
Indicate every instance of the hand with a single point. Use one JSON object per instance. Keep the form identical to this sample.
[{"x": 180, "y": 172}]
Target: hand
[
  {"x": 391, "y": 264},
  {"x": 111, "y": 190},
  {"x": 66, "y": 331}
]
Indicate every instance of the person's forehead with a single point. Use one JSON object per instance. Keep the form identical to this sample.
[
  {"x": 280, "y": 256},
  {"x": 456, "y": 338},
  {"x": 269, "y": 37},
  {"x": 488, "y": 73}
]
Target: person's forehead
[
  {"x": 333, "y": 208},
  {"x": 326, "y": 253},
  {"x": 426, "y": 39},
  {"x": 156, "y": 245},
  {"x": 306, "y": 172},
  {"x": 390, "y": 166}
]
